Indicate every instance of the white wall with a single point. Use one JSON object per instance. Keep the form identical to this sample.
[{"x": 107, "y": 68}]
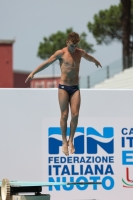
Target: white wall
[{"x": 22, "y": 112}]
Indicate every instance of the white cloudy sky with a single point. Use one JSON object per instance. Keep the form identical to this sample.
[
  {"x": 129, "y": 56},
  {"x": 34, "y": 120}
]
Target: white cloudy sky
[{"x": 28, "y": 21}]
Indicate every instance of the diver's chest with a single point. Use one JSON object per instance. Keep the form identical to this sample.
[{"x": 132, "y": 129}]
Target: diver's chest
[{"x": 71, "y": 60}]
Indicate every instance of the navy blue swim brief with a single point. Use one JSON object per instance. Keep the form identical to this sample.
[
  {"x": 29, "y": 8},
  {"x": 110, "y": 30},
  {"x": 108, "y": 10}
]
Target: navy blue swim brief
[{"x": 69, "y": 89}]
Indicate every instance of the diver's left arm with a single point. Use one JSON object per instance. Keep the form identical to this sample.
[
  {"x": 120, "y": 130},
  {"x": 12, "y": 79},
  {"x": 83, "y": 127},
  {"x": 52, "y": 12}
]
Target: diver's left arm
[{"x": 90, "y": 58}]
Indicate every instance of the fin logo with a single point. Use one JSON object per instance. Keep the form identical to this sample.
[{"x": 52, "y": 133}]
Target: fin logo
[
  {"x": 93, "y": 138},
  {"x": 55, "y": 140},
  {"x": 105, "y": 140}
]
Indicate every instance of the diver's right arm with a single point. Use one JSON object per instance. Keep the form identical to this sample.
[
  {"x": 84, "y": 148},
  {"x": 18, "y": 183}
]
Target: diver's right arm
[{"x": 58, "y": 54}]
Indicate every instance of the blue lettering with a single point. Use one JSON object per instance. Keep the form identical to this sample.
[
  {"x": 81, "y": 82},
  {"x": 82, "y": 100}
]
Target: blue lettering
[
  {"x": 111, "y": 159},
  {"x": 56, "y": 159},
  {"x": 124, "y": 131},
  {"x": 106, "y": 178},
  {"x": 82, "y": 187},
  {"x": 107, "y": 183},
  {"x": 62, "y": 160},
  {"x": 65, "y": 170},
  {"x": 68, "y": 187},
  {"x": 97, "y": 159},
  {"x": 98, "y": 169},
  {"x": 126, "y": 157},
  {"x": 69, "y": 159},
  {"x": 50, "y": 159},
  {"x": 131, "y": 131},
  {"x": 57, "y": 169},
  {"x": 76, "y": 160},
  {"x": 104, "y": 159},
  {"x": 88, "y": 170},
  {"x": 57, "y": 187},
  {"x": 49, "y": 170},
  {"x": 95, "y": 179},
  {"x": 109, "y": 170},
  {"x": 81, "y": 170},
  {"x": 123, "y": 142},
  {"x": 82, "y": 160},
  {"x": 130, "y": 141},
  {"x": 73, "y": 171}
]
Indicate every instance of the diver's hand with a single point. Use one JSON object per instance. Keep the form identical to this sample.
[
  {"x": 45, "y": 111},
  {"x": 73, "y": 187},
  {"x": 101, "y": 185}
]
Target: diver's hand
[
  {"x": 98, "y": 64},
  {"x": 29, "y": 78}
]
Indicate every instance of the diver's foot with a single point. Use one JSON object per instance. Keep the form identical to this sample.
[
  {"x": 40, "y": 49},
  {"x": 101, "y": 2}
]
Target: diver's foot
[
  {"x": 65, "y": 148},
  {"x": 71, "y": 147}
]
